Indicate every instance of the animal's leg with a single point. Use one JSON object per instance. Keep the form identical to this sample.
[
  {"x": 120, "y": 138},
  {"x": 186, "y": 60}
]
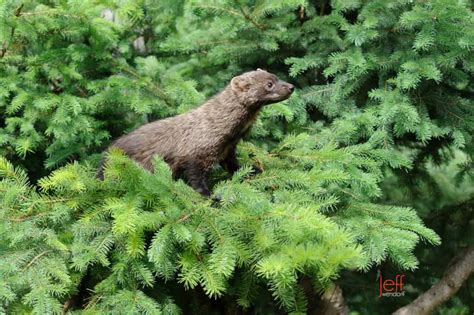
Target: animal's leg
[
  {"x": 197, "y": 178},
  {"x": 230, "y": 162}
]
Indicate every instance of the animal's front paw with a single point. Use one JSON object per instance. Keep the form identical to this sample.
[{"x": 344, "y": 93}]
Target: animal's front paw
[{"x": 217, "y": 198}]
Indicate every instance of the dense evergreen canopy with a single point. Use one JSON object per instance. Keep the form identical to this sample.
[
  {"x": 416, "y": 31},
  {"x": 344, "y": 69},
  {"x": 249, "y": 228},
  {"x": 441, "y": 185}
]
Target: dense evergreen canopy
[{"x": 366, "y": 168}]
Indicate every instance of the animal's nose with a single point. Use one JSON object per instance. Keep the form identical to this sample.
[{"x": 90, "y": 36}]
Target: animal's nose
[{"x": 291, "y": 87}]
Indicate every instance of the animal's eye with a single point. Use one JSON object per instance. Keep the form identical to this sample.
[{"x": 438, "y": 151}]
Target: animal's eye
[{"x": 270, "y": 84}]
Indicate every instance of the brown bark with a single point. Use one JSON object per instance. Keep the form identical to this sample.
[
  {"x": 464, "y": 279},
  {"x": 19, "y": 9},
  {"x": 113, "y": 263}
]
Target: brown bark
[
  {"x": 456, "y": 274},
  {"x": 333, "y": 303}
]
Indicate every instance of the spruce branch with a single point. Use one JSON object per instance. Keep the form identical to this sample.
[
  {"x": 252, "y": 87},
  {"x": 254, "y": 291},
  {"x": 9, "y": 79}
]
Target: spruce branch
[
  {"x": 363, "y": 109},
  {"x": 51, "y": 12},
  {"x": 250, "y": 19},
  {"x": 3, "y": 51},
  {"x": 36, "y": 258},
  {"x": 154, "y": 88},
  {"x": 223, "y": 9}
]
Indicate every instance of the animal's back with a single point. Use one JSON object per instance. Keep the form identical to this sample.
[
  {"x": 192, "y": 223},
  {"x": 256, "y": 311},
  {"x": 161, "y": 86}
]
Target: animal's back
[
  {"x": 178, "y": 140},
  {"x": 158, "y": 137}
]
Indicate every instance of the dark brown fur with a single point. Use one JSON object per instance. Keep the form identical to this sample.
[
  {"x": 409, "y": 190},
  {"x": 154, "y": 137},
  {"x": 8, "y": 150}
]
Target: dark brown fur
[{"x": 192, "y": 142}]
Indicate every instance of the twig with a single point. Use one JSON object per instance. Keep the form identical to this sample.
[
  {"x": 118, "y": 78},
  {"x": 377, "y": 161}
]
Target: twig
[
  {"x": 51, "y": 12},
  {"x": 18, "y": 10},
  {"x": 155, "y": 89},
  {"x": 249, "y": 18},
  {"x": 217, "y": 8},
  {"x": 456, "y": 116},
  {"x": 184, "y": 218},
  {"x": 36, "y": 258}
]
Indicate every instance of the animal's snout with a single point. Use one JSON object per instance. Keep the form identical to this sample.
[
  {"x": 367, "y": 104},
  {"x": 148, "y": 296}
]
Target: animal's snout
[{"x": 290, "y": 87}]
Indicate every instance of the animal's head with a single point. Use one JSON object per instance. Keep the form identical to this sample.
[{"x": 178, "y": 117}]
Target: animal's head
[{"x": 260, "y": 87}]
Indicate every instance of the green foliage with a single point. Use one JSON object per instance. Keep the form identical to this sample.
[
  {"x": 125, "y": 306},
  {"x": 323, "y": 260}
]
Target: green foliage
[
  {"x": 377, "y": 136},
  {"x": 66, "y": 82},
  {"x": 276, "y": 225}
]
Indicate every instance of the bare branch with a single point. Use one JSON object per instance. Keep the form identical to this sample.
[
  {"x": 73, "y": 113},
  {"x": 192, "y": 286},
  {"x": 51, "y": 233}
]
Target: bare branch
[{"x": 459, "y": 271}]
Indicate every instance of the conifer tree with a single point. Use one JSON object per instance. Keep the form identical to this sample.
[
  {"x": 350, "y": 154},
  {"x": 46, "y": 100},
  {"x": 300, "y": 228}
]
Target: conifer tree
[{"x": 381, "y": 118}]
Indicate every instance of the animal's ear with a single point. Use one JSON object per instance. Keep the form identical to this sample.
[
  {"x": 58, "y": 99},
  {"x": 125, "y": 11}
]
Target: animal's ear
[
  {"x": 240, "y": 84},
  {"x": 258, "y": 69}
]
